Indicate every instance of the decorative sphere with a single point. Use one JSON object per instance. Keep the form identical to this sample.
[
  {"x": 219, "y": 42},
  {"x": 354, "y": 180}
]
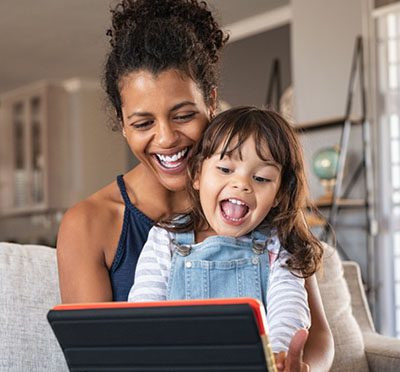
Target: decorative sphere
[{"x": 325, "y": 163}]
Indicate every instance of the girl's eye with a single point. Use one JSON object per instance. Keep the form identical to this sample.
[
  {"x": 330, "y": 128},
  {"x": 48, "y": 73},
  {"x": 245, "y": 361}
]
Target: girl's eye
[
  {"x": 224, "y": 170},
  {"x": 142, "y": 125},
  {"x": 261, "y": 179},
  {"x": 186, "y": 117}
]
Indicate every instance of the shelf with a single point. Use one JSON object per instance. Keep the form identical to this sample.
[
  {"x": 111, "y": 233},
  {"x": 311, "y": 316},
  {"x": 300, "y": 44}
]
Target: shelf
[
  {"x": 345, "y": 203},
  {"x": 326, "y": 123},
  {"x": 314, "y": 220},
  {"x": 24, "y": 211}
]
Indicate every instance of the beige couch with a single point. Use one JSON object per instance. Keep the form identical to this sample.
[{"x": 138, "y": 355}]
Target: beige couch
[{"x": 29, "y": 287}]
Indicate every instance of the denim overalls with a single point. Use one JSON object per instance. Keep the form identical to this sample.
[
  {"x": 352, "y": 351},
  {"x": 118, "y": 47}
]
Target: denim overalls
[{"x": 219, "y": 267}]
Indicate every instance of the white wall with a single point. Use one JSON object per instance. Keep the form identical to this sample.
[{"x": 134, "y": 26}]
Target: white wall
[{"x": 323, "y": 35}]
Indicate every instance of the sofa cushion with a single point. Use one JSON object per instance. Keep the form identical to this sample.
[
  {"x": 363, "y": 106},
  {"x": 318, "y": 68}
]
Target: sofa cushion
[
  {"x": 349, "y": 345},
  {"x": 28, "y": 289}
]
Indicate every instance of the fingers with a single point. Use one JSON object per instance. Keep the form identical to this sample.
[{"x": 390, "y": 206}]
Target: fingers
[
  {"x": 280, "y": 361},
  {"x": 294, "y": 361}
]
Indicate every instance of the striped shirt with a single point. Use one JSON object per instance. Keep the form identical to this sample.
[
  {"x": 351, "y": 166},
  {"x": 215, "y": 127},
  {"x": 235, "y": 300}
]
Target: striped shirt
[{"x": 287, "y": 306}]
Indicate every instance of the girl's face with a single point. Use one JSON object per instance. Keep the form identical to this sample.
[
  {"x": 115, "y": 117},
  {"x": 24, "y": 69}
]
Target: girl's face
[
  {"x": 237, "y": 194},
  {"x": 163, "y": 117}
]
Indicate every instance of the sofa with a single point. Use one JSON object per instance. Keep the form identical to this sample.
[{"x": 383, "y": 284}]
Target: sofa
[{"x": 29, "y": 288}]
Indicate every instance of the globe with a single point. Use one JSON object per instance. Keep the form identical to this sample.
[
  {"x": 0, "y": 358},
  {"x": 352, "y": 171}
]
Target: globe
[{"x": 325, "y": 163}]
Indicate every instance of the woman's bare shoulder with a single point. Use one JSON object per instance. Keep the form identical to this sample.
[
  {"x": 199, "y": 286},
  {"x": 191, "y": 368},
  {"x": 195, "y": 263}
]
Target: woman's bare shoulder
[
  {"x": 98, "y": 209},
  {"x": 86, "y": 246},
  {"x": 93, "y": 225}
]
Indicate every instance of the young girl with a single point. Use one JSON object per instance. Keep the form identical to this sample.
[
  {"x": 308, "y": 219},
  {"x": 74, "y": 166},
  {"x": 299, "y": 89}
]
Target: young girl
[{"x": 245, "y": 235}]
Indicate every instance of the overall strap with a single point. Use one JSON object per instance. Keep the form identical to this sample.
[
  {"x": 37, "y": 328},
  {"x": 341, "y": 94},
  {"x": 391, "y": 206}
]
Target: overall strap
[
  {"x": 186, "y": 238},
  {"x": 182, "y": 243},
  {"x": 122, "y": 189}
]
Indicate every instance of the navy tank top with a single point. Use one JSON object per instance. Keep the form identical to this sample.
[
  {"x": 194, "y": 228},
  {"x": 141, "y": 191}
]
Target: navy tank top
[{"x": 135, "y": 229}]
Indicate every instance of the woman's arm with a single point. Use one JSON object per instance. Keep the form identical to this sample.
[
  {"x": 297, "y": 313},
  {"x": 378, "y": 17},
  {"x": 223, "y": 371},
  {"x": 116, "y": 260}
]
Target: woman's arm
[
  {"x": 82, "y": 268},
  {"x": 313, "y": 350},
  {"x": 319, "y": 349}
]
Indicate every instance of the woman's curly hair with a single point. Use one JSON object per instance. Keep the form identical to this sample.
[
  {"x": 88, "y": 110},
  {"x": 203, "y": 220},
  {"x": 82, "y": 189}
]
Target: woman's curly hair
[{"x": 157, "y": 35}]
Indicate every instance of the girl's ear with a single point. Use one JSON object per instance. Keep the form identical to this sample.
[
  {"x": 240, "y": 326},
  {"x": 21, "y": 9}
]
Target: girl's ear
[
  {"x": 196, "y": 183},
  {"x": 196, "y": 177},
  {"x": 123, "y": 132},
  {"x": 278, "y": 199}
]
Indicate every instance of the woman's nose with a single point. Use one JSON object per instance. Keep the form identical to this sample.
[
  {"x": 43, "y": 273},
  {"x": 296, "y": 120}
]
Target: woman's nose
[{"x": 166, "y": 136}]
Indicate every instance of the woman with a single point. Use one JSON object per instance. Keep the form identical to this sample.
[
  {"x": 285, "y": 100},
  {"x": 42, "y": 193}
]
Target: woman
[{"x": 161, "y": 78}]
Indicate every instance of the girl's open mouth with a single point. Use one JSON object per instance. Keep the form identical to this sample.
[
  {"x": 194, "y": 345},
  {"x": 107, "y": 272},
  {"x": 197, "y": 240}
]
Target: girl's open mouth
[{"x": 234, "y": 210}]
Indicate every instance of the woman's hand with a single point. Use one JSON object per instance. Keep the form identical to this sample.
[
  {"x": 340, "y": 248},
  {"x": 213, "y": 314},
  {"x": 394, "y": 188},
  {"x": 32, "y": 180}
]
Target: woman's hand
[{"x": 292, "y": 361}]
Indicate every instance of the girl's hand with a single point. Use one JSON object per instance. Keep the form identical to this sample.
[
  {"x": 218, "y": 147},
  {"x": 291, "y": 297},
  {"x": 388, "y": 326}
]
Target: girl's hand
[
  {"x": 292, "y": 361},
  {"x": 280, "y": 360}
]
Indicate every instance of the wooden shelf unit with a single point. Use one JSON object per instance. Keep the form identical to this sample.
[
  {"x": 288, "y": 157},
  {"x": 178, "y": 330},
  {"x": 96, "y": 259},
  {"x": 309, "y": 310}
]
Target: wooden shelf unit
[{"x": 325, "y": 123}]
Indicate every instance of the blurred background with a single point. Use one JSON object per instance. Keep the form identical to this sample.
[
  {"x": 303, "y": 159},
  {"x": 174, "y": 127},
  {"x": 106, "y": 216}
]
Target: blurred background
[{"x": 331, "y": 67}]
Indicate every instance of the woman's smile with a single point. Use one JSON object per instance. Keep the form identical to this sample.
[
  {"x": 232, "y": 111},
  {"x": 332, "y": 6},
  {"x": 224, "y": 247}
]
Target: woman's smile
[{"x": 172, "y": 162}]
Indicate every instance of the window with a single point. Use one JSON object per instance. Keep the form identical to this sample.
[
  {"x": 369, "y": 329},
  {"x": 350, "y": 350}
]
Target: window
[{"x": 388, "y": 97}]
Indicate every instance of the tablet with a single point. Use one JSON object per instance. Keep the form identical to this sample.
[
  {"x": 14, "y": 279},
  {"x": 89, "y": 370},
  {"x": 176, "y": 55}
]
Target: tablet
[{"x": 196, "y": 335}]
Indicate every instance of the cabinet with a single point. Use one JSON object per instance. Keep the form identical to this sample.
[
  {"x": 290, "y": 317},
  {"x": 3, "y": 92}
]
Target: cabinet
[
  {"x": 55, "y": 147},
  {"x": 25, "y": 118}
]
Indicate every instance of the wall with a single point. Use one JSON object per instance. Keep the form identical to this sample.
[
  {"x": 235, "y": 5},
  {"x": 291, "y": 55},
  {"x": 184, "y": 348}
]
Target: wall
[
  {"x": 246, "y": 66},
  {"x": 323, "y": 35},
  {"x": 92, "y": 140}
]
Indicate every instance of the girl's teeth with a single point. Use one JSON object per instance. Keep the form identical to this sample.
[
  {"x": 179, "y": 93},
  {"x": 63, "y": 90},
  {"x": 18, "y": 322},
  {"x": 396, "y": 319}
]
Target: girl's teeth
[{"x": 235, "y": 201}]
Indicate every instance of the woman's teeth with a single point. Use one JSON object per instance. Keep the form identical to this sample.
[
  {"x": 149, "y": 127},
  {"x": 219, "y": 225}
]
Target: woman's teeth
[{"x": 169, "y": 161}]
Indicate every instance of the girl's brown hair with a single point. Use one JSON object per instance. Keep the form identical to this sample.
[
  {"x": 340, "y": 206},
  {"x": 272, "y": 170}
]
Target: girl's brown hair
[{"x": 269, "y": 129}]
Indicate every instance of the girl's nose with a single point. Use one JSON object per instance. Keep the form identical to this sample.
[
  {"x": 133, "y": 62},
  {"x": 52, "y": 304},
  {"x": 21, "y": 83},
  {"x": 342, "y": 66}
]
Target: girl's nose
[
  {"x": 241, "y": 183},
  {"x": 166, "y": 136}
]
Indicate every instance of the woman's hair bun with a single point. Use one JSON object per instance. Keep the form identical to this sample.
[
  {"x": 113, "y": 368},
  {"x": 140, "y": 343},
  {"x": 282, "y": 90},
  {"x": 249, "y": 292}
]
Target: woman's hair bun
[{"x": 192, "y": 14}]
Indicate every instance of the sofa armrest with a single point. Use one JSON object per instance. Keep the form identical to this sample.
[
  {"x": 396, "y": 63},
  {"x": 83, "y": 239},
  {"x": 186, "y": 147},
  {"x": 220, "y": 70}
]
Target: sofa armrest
[
  {"x": 28, "y": 289},
  {"x": 359, "y": 303},
  {"x": 383, "y": 353}
]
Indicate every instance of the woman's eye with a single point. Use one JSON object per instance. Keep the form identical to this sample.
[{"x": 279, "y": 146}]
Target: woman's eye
[
  {"x": 261, "y": 179},
  {"x": 224, "y": 170},
  {"x": 143, "y": 124},
  {"x": 186, "y": 117}
]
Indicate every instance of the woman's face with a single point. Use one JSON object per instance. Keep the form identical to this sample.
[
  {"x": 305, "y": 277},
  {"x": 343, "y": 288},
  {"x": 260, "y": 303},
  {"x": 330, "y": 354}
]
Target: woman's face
[{"x": 163, "y": 117}]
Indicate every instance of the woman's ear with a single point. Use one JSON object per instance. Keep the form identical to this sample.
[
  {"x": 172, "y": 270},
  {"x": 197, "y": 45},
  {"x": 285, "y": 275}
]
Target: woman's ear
[
  {"x": 123, "y": 132},
  {"x": 213, "y": 103}
]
